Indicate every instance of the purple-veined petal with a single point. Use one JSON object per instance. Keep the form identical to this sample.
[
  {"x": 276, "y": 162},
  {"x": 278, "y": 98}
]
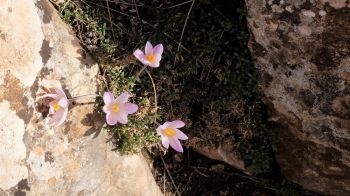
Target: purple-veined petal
[
  {"x": 158, "y": 58},
  {"x": 148, "y": 48},
  {"x": 121, "y": 118},
  {"x": 56, "y": 118},
  {"x": 165, "y": 142},
  {"x": 63, "y": 102},
  {"x": 51, "y": 109},
  {"x": 111, "y": 119},
  {"x": 166, "y": 124},
  {"x": 180, "y": 135},
  {"x": 175, "y": 143},
  {"x": 63, "y": 117},
  {"x": 123, "y": 98},
  {"x": 139, "y": 54},
  {"x": 158, "y": 50},
  {"x": 160, "y": 129},
  {"x": 177, "y": 124},
  {"x": 129, "y": 108},
  {"x": 108, "y": 97},
  {"x": 60, "y": 92}
]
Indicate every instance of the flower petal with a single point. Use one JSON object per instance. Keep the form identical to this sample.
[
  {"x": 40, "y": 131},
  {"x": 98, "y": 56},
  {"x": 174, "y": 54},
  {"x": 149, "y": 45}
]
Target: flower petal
[
  {"x": 158, "y": 50},
  {"x": 121, "y": 118},
  {"x": 180, "y": 135},
  {"x": 175, "y": 143},
  {"x": 139, "y": 54},
  {"x": 155, "y": 64},
  {"x": 123, "y": 98},
  {"x": 108, "y": 97},
  {"x": 56, "y": 118},
  {"x": 148, "y": 48},
  {"x": 160, "y": 129},
  {"x": 166, "y": 125},
  {"x": 51, "y": 110},
  {"x": 63, "y": 102},
  {"x": 60, "y": 92},
  {"x": 111, "y": 119},
  {"x": 129, "y": 108},
  {"x": 145, "y": 62},
  {"x": 165, "y": 141},
  {"x": 63, "y": 117},
  {"x": 177, "y": 124},
  {"x": 107, "y": 108}
]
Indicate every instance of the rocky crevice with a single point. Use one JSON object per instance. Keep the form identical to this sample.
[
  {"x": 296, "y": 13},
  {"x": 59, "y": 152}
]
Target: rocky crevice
[{"x": 301, "y": 49}]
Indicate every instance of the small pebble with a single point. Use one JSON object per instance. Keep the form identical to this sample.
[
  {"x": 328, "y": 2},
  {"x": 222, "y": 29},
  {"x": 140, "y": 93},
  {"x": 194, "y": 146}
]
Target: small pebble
[
  {"x": 289, "y": 9},
  {"x": 308, "y": 13},
  {"x": 179, "y": 157},
  {"x": 304, "y": 30},
  {"x": 217, "y": 168},
  {"x": 322, "y": 13}
]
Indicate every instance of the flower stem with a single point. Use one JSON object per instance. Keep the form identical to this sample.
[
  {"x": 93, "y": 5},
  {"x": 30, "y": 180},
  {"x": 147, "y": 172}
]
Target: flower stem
[
  {"x": 155, "y": 96},
  {"x": 139, "y": 73}
]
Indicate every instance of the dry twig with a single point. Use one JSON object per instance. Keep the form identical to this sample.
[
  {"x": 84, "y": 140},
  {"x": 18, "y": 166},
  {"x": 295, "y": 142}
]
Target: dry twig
[
  {"x": 183, "y": 30},
  {"x": 169, "y": 174}
]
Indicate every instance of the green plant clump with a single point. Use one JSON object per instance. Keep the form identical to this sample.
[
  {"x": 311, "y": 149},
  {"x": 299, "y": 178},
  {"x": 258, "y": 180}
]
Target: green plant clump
[
  {"x": 140, "y": 130},
  {"x": 202, "y": 80}
]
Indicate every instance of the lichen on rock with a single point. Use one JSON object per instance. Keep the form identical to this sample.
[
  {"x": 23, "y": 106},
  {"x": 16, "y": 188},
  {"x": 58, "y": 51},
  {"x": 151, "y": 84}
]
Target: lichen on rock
[
  {"x": 39, "y": 51},
  {"x": 305, "y": 82},
  {"x": 13, "y": 150}
]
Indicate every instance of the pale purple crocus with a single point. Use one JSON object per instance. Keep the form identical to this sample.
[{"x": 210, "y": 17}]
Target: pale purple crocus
[
  {"x": 170, "y": 134},
  {"x": 152, "y": 56},
  {"x": 117, "y": 110},
  {"x": 58, "y": 107}
]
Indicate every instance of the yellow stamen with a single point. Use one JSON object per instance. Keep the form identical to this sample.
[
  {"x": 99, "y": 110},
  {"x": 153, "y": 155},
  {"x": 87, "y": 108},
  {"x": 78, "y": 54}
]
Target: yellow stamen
[
  {"x": 151, "y": 58},
  {"x": 169, "y": 132},
  {"x": 56, "y": 106},
  {"x": 115, "y": 108}
]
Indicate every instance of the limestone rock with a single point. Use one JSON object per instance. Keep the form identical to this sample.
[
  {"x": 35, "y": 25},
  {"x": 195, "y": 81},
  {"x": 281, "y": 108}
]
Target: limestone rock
[
  {"x": 38, "y": 50},
  {"x": 303, "y": 54}
]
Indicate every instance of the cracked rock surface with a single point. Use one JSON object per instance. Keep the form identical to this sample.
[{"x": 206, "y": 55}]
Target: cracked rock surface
[
  {"x": 302, "y": 50},
  {"x": 38, "y": 50}
]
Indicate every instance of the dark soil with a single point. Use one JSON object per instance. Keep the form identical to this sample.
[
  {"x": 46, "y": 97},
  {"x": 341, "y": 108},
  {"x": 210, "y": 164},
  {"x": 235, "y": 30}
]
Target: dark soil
[
  {"x": 194, "y": 174},
  {"x": 209, "y": 80}
]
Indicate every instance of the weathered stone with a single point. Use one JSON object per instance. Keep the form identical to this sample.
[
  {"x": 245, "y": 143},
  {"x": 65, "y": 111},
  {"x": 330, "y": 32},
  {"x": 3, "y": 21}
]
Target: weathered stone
[
  {"x": 306, "y": 61},
  {"x": 230, "y": 156},
  {"x": 38, "y": 50}
]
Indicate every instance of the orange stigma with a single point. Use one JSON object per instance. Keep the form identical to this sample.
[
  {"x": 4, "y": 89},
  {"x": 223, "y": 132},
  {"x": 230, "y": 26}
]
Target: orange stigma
[
  {"x": 151, "y": 58},
  {"x": 115, "y": 108},
  {"x": 169, "y": 132},
  {"x": 56, "y": 106}
]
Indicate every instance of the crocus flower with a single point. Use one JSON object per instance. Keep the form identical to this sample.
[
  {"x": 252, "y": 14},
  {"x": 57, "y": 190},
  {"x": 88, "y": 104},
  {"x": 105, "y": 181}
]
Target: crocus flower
[
  {"x": 170, "y": 134},
  {"x": 152, "y": 56},
  {"x": 58, "y": 107},
  {"x": 117, "y": 110}
]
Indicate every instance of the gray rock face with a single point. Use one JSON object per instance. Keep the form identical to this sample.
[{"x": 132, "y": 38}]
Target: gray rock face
[
  {"x": 37, "y": 50},
  {"x": 302, "y": 48}
]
